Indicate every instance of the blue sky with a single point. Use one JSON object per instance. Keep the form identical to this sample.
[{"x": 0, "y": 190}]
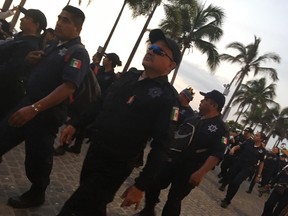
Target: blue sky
[{"x": 244, "y": 19}]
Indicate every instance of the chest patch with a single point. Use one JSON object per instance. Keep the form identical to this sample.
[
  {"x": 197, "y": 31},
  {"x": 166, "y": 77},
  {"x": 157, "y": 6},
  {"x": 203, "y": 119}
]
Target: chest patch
[
  {"x": 62, "y": 51},
  {"x": 212, "y": 128},
  {"x": 155, "y": 92}
]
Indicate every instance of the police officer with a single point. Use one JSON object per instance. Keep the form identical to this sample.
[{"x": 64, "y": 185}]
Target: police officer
[
  {"x": 270, "y": 169},
  {"x": 251, "y": 153},
  {"x": 38, "y": 115},
  {"x": 13, "y": 69},
  {"x": 277, "y": 202},
  {"x": 106, "y": 75},
  {"x": 229, "y": 159},
  {"x": 185, "y": 97},
  {"x": 138, "y": 106},
  {"x": 187, "y": 169}
]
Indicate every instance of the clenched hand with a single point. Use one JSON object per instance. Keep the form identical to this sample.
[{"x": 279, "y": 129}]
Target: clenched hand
[{"x": 132, "y": 196}]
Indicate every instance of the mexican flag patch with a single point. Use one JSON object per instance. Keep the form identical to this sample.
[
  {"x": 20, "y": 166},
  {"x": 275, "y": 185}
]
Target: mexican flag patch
[
  {"x": 224, "y": 140},
  {"x": 76, "y": 63},
  {"x": 175, "y": 114}
]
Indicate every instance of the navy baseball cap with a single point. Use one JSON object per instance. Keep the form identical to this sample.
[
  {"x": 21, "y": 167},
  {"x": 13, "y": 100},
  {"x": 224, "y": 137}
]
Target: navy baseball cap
[
  {"x": 248, "y": 129},
  {"x": 216, "y": 96},
  {"x": 36, "y": 15},
  {"x": 157, "y": 34}
]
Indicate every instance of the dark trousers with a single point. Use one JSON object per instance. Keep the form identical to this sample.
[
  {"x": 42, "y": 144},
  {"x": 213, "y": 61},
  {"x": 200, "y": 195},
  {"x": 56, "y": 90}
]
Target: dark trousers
[
  {"x": 267, "y": 174},
  {"x": 236, "y": 175},
  {"x": 170, "y": 174},
  {"x": 275, "y": 204},
  {"x": 226, "y": 164},
  {"x": 101, "y": 177},
  {"x": 253, "y": 182},
  {"x": 39, "y": 138}
]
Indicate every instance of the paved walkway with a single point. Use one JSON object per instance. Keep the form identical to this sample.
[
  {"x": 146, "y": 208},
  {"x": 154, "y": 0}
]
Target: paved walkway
[{"x": 202, "y": 201}]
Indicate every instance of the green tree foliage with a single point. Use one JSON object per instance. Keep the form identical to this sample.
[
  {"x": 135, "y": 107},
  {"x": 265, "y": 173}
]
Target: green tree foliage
[
  {"x": 194, "y": 25},
  {"x": 249, "y": 60}
]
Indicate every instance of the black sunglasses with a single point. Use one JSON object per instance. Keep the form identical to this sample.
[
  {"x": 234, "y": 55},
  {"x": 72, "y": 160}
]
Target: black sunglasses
[{"x": 158, "y": 51}]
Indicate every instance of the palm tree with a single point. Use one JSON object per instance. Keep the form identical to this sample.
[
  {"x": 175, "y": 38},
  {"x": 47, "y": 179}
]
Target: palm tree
[
  {"x": 249, "y": 61},
  {"x": 113, "y": 29},
  {"x": 255, "y": 94},
  {"x": 279, "y": 124},
  {"x": 192, "y": 24},
  {"x": 138, "y": 8},
  {"x": 144, "y": 8}
]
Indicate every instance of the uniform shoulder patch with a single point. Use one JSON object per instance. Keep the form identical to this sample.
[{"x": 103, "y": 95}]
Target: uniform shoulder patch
[
  {"x": 175, "y": 114},
  {"x": 224, "y": 140},
  {"x": 75, "y": 63}
]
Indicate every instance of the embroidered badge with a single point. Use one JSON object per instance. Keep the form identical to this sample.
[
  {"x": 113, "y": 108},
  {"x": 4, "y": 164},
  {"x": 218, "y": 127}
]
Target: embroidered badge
[
  {"x": 224, "y": 140},
  {"x": 212, "y": 128},
  {"x": 62, "y": 51},
  {"x": 131, "y": 99},
  {"x": 76, "y": 63},
  {"x": 175, "y": 114},
  {"x": 155, "y": 92}
]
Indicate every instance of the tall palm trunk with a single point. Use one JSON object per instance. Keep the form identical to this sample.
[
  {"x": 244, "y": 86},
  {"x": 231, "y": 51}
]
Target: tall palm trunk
[
  {"x": 139, "y": 39},
  {"x": 227, "y": 107},
  {"x": 113, "y": 29},
  {"x": 277, "y": 142},
  {"x": 271, "y": 130},
  {"x": 240, "y": 113},
  {"x": 16, "y": 16},
  {"x": 177, "y": 68},
  {"x": 7, "y": 5}
]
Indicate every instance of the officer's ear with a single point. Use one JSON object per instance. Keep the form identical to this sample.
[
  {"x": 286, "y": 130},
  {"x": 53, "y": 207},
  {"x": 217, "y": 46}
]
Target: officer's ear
[
  {"x": 172, "y": 65},
  {"x": 214, "y": 104}
]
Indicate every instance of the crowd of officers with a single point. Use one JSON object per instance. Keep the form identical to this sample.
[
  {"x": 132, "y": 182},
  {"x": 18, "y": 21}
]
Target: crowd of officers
[
  {"x": 247, "y": 159},
  {"x": 40, "y": 73}
]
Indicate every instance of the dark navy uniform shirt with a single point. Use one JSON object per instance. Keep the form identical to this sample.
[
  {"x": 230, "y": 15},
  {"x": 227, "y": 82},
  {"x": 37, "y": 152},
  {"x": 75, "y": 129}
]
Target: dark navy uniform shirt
[
  {"x": 132, "y": 112},
  {"x": 282, "y": 177},
  {"x": 250, "y": 154},
  {"x": 185, "y": 113},
  {"x": 272, "y": 163},
  {"x": 105, "y": 79},
  {"x": 210, "y": 139},
  {"x": 13, "y": 52},
  {"x": 56, "y": 67}
]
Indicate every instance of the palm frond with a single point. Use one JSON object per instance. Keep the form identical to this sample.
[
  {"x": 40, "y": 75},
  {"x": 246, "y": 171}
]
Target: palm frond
[
  {"x": 238, "y": 46},
  {"x": 267, "y": 57},
  {"x": 211, "y": 31},
  {"x": 264, "y": 70},
  {"x": 229, "y": 58},
  {"x": 210, "y": 50}
]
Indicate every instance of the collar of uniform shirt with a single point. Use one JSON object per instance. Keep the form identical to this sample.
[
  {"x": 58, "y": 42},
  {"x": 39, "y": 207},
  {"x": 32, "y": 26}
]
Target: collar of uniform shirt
[
  {"x": 142, "y": 76},
  {"x": 61, "y": 42}
]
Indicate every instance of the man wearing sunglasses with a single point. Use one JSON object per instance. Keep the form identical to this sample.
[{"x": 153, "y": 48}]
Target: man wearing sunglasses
[{"x": 139, "y": 106}]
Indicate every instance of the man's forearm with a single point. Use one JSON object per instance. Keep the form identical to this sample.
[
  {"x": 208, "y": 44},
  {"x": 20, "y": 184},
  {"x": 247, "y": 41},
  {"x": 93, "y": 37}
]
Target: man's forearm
[
  {"x": 56, "y": 97},
  {"x": 209, "y": 164},
  {"x": 260, "y": 169}
]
